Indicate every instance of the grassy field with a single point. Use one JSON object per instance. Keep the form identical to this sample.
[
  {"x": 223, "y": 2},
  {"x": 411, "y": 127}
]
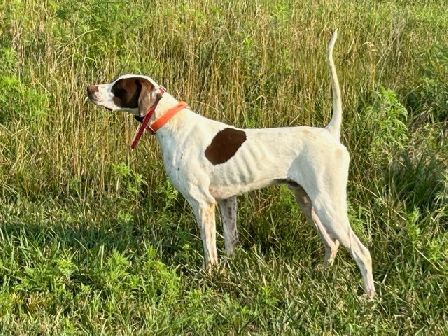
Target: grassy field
[{"x": 93, "y": 238}]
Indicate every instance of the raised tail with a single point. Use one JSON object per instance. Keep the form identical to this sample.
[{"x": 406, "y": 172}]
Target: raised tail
[{"x": 334, "y": 126}]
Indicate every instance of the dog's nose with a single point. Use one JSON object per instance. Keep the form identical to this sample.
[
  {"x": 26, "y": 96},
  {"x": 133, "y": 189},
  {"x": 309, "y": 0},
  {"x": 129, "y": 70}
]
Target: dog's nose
[{"x": 91, "y": 89}]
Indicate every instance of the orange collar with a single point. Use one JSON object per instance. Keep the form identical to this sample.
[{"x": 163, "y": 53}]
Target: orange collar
[{"x": 158, "y": 123}]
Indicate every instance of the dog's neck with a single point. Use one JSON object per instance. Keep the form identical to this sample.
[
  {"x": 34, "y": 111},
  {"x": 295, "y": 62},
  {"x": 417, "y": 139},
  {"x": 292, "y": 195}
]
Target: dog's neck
[
  {"x": 173, "y": 125},
  {"x": 166, "y": 102}
]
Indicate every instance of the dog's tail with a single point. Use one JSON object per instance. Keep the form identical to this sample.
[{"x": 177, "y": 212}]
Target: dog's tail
[{"x": 334, "y": 127}]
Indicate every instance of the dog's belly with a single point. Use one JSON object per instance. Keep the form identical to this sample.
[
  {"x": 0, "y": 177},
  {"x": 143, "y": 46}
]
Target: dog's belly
[{"x": 223, "y": 192}]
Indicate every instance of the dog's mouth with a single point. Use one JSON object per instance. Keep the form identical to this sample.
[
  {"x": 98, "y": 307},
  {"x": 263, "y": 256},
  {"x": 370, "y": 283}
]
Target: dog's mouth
[
  {"x": 94, "y": 100},
  {"x": 91, "y": 98}
]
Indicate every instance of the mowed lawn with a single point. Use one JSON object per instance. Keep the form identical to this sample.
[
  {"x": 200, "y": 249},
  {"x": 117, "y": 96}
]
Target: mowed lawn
[{"x": 94, "y": 240}]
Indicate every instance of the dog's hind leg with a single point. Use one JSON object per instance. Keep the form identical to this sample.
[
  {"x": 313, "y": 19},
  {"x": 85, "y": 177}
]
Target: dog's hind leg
[
  {"x": 228, "y": 209},
  {"x": 331, "y": 245},
  {"x": 337, "y": 225}
]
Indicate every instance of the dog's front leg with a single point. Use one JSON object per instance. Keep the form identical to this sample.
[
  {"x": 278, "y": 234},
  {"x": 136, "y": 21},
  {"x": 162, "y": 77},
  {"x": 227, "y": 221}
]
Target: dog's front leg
[
  {"x": 205, "y": 217},
  {"x": 228, "y": 209}
]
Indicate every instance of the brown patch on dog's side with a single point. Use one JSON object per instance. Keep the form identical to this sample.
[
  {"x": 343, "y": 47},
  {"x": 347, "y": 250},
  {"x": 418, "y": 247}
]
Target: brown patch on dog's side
[
  {"x": 224, "y": 145},
  {"x": 127, "y": 91}
]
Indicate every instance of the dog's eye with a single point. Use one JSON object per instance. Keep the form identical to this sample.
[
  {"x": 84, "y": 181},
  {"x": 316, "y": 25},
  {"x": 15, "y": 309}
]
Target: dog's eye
[{"x": 119, "y": 92}]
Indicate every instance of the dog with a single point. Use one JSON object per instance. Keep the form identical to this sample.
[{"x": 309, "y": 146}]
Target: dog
[{"x": 211, "y": 163}]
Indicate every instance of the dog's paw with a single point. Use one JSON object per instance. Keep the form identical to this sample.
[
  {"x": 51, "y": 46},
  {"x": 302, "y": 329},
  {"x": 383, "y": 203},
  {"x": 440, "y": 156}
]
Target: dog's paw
[{"x": 369, "y": 295}]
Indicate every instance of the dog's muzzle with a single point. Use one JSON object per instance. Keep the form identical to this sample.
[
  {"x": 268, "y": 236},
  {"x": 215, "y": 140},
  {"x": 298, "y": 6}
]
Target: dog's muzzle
[{"x": 91, "y": 90}]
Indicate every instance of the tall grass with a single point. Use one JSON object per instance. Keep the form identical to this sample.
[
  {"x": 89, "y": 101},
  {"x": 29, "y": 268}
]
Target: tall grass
[
  {"x": 78, "y": 207},
  {"x": 253, "y": 64}
]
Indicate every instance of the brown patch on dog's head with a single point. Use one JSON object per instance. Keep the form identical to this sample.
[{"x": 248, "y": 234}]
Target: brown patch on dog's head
[
  {"x": 129, "y": 91},
  {"x": 224, "y": 145}
]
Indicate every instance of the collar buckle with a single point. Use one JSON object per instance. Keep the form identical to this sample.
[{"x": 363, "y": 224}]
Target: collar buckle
[{"x": 151, "y": 130}]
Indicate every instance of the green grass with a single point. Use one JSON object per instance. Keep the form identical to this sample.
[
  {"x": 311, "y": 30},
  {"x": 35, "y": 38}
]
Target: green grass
[{"x": 94, "y": 240}]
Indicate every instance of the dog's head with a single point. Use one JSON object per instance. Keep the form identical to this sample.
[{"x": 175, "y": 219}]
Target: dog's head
[{"x": 130, "y": 93}]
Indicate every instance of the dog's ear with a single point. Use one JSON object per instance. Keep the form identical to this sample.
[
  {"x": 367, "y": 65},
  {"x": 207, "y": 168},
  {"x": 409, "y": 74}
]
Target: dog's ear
[{"x": 146, "y": 98}]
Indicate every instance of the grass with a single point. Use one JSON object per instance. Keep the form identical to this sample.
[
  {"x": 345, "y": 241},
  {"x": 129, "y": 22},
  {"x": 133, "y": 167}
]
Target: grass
[{"x": 94, "y": 239}]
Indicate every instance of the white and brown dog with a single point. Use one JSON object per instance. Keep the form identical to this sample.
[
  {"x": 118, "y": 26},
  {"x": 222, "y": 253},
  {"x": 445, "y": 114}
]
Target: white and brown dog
[{"x": 212, "y": 163}]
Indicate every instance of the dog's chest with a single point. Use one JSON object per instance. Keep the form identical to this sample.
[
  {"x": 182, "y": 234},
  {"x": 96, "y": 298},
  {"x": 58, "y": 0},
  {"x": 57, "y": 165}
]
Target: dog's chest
[{"x": 184, "y": 160}]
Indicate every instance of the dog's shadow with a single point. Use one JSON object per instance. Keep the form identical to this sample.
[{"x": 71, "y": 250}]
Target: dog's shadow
[
  {"x": 89, "y": 232},
  {"x": 86, "y": 233}
]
